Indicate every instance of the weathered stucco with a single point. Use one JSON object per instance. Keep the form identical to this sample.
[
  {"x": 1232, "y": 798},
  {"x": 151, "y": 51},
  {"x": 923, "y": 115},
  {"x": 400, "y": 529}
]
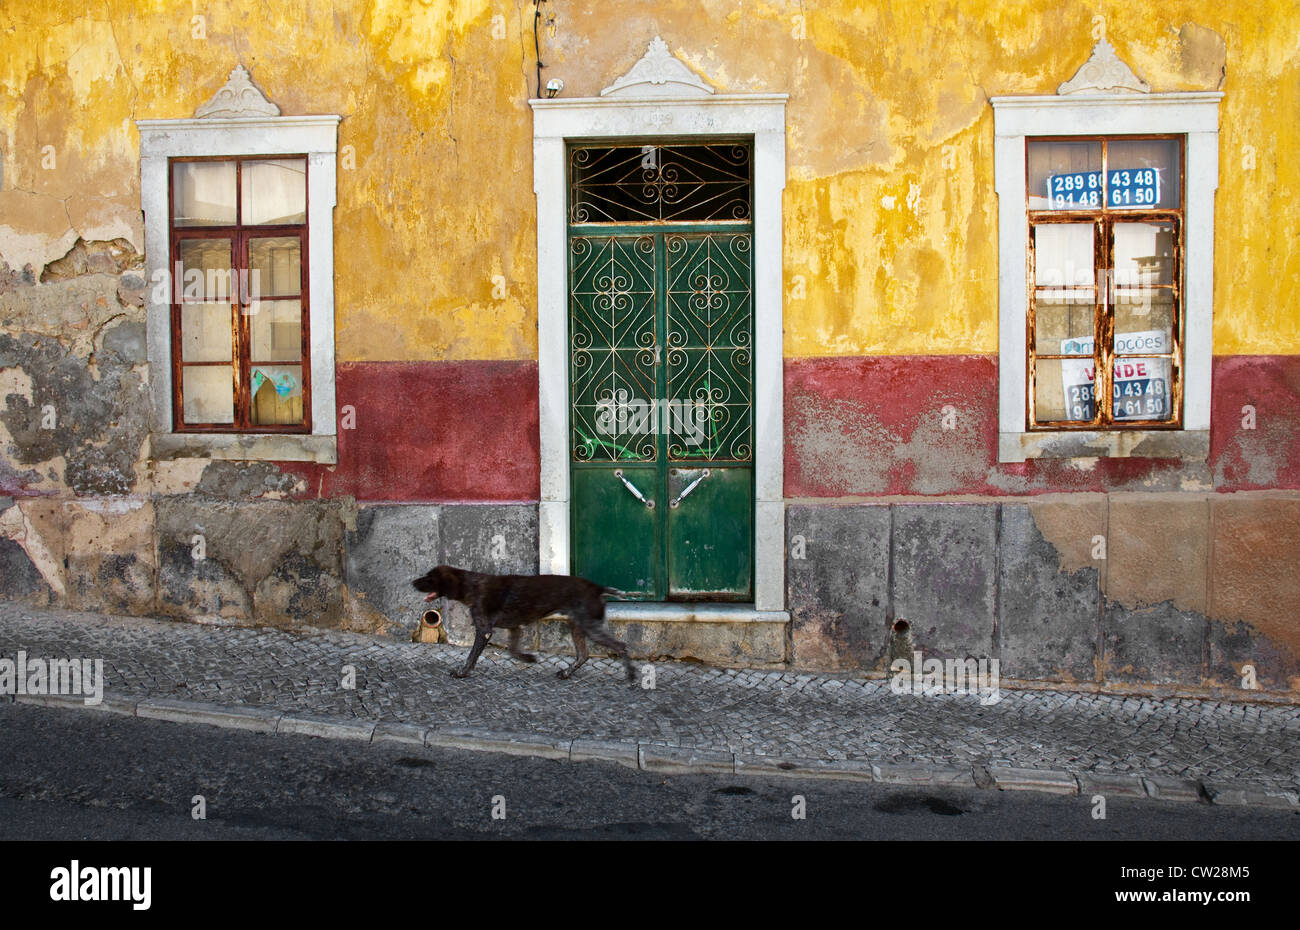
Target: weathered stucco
[{"x": 890, "y": 222}]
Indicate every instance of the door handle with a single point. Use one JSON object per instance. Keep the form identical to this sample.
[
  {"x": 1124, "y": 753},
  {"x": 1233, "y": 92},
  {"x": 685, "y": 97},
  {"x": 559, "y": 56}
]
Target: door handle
[
  {"x": 688, "y": 489},
  {"x": 649, "y": 505}
]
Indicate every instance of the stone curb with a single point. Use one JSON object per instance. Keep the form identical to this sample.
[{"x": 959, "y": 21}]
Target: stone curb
[
  {"x": 848, "y": 770},
  {"x": 257, "y": 719},
  {"x": 685, "y": 760},
  {"x": 1164, "y": 788},
  {"x": 408, "y": 733},
  {"x": 605, "y": 750},
  {"x": 1236, "y": 796},
  {"x": 112, "y": 703},
  {"x": 326, "y": 727},
  {"x": 1006, "y": 778},
  {"x": 514, "y": 744},
  {"x": 653, "y": 757},
  {"x": 918, "y": 774},
  {"x": 1124, "y": 786}
]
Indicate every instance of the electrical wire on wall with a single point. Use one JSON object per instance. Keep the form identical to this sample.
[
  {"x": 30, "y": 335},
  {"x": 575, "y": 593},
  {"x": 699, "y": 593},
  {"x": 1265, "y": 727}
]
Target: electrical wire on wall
[{"x": 537, "y": 44}]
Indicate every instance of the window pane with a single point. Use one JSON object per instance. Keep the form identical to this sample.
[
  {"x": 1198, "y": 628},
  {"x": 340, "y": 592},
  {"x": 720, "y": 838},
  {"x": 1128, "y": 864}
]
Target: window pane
[
  {"x": 1141, "y": 389},
  {"x": 273, "y": 191},
  {"x": 206, "y": 333},
  {"x": 203, "y": 193},
  {"x": 1144, "y": 254},
  {"x": 205, "y": 269},
  {"x": 1144, "y": 173},
  {"x": 277, "y": 395},
  {"x": 209, "y": 394},
  {"x": 1064, "y": 175},
  {"x": 1144, "y": 321},
  {"x": 277, "y": 266},
  {"x": 1063, "y": 389},
  {"x": 1064, "y": 322},
  {"x": 1063, "y": 255},
  {"x": 276, "y": 329}
]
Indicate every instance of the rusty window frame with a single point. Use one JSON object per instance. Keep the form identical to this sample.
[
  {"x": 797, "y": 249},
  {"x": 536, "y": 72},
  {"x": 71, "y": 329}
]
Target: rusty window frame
[
  {"x": 241, "y": 335},
  {"x": 1104, "y": 219}
]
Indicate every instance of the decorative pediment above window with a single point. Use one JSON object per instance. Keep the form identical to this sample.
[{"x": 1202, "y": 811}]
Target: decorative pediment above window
[
  {"x": 1104, "y": 73},
  {"x": 658, "y": 74},
  {"x": 238, "y": 99}
]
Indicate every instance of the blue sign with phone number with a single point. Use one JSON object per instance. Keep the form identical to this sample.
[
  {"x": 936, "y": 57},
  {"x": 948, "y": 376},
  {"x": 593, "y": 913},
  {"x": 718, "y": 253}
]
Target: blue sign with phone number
[{"x": 1082, "y": 190}]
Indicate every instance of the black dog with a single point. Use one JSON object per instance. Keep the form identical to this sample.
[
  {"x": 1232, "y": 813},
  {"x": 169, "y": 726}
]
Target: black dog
[{"x": 510, "y": 601}]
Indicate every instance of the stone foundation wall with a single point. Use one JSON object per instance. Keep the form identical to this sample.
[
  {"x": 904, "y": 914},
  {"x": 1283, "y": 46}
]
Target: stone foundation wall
[{"x": 1169, "y": 590}]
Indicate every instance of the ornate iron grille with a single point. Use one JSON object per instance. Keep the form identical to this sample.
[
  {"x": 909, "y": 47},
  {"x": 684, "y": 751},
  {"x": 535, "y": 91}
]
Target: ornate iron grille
[
  {"x": 613, "y": 345},
  {"x": 660, "y": 183},
  {"x": 710, "y": 338}
]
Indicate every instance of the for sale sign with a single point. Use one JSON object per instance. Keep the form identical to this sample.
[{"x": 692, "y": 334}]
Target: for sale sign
[
  {"x": 1083, "y": 190},
  {"x": 1141, "y": 385}
]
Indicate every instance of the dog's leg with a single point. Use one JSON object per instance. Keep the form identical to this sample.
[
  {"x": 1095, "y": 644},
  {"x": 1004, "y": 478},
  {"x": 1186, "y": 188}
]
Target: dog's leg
[
  {"x": 514, "y": 647},
  {"x": 607, "y": 639},
  {"x": 580, "y": 648},
  {"x": 481, "y": 637}
]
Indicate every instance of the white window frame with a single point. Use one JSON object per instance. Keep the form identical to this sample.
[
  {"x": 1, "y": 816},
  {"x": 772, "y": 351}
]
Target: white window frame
[
  {"x": 1193, "y": 115},
  {"x": 316, "y": 136}
]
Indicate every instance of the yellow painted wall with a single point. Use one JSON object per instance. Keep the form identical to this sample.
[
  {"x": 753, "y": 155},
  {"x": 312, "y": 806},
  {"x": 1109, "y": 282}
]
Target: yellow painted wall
[{"x": 890, "y": 235}]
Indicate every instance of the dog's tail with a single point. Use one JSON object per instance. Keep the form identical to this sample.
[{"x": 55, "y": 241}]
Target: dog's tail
[{"x": 615, "y": 591}]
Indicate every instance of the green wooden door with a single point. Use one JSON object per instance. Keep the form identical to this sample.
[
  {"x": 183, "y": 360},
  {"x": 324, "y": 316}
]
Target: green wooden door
[{"x": 661, "y": 409}]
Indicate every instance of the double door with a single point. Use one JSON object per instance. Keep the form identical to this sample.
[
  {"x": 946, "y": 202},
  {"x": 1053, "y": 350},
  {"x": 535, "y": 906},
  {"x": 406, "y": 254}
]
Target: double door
[{"x": 661, "y": 410}]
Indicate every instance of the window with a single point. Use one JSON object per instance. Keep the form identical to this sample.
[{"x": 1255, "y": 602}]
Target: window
[
  {"x": 1105, "y": 271},
  {"x": 238, "y": 215},
  {"x": 240, "y": 347},
  {"x": 1105, "y": 280}
]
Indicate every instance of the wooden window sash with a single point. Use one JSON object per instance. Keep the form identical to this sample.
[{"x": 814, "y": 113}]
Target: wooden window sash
[
  {"x": 241, "y": 327},
  {"x": 1103, "y": 286}
]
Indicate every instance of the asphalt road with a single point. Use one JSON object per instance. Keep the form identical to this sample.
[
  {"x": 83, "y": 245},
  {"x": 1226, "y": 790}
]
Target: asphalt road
[{"x": 74, "y": 774}]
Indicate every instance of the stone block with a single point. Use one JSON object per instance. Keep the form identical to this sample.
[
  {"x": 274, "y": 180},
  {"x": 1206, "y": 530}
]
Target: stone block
[
  {"x": 837, "y": 585},
  {"x": 1152, "y": 645},
  {"x": 275, "y": 562},
  {"x": 945, "y": 575},
  {"x": 1156, "y": 549},
  {"x": 1255, "y": 590},
  {"x": 733, "y": 644},
  {"x": 1048, "y": 618},
  {"x": 392, "y": 545},
  {"x": 109, "y": 554},
  {"x": 497, "y": 538},
  {"x": 20, "y": 580}
]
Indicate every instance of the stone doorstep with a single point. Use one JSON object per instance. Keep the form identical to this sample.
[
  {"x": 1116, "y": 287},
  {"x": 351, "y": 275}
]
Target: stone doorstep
[
  {"x": 639, "y": 612},
  {"x": 668, "y": 759}
]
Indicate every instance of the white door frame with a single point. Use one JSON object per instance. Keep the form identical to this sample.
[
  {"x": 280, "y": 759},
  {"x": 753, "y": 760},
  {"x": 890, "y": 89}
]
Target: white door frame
[{"x": 761, "y": 116}]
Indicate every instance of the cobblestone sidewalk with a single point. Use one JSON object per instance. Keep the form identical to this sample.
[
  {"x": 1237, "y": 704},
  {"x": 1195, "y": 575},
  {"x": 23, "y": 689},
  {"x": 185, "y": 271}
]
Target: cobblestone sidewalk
[{"x": 695, "y": 718}]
